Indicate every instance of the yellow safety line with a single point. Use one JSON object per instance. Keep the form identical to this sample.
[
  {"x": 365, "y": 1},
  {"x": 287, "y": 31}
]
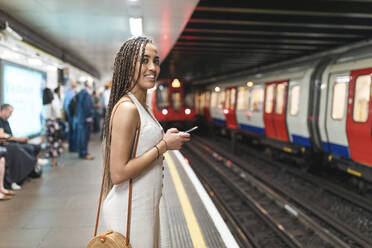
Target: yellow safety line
[
  {"x": 354, "y": 172},
  {"x": 192, "y": 224}
]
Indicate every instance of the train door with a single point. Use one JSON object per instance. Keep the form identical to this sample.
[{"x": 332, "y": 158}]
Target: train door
[
  {"x": 269, "y": 109},
  {"x": 206, "y": 106},
  {"x": 359, "y": 116},
  {"x": 229, "y": 109},
  {"x": 279, "y": 115},
  {"x": 336, "y": 115},
  {"x": 176, "y": 99},
  {"x": 217, "y": 105}
]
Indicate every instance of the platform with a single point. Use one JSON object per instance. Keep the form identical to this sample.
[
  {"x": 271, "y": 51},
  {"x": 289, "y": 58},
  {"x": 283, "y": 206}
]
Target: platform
[{"x": 58, "y": 210}]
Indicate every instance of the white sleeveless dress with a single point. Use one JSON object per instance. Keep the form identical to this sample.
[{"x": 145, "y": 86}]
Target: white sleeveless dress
[{"x": 149, "y": 223}]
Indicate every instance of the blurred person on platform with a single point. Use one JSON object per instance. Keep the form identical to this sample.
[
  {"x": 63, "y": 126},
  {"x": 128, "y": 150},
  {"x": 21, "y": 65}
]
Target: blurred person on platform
[
  {"x": 61, "y": 121},
  {"x": 84, "y": 119},
  {"x": 97, "y": 112},
  {"x": 52, "y": 129},
  {"x": 106, "y": 97},
  {"x": 69, "y": 95}
]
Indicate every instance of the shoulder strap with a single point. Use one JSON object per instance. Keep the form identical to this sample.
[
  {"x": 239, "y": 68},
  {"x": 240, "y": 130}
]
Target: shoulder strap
[{"x": 133, "y": 155}]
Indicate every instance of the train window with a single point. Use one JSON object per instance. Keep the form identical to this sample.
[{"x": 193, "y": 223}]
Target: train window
[
  {"x": 232, "y": 98},
  {"x": 361, "y": 98},
  {"x": 189, "y": 100},
  {"x": 176, "y": 100},
  {"x": 214, "y": 99},
  {"x": 257, "y": 98},
  {"x": 243, "y": 99},
  {"x": 162, "y": 96},
  {"x": 269, "y": 98},
  {"x": 294, "y": 105},
  {"x": 207, "y": 99},
  {"x": 339, "y": 101},
  {"x": 280, "y": 94},
  {"x": 221, "y": 99}
]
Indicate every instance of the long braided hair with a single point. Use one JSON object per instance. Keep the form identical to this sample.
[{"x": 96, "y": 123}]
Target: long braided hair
[{"x": 126, "y": 59}]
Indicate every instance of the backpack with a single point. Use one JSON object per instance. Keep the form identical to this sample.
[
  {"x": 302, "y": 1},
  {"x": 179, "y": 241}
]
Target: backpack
[{"x": 72, "y": 106}]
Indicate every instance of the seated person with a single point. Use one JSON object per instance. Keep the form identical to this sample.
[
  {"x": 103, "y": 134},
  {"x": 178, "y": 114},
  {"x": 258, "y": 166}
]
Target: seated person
[
  {"x": 6, "y": 111},
  {"x": 21, "y": 163}
]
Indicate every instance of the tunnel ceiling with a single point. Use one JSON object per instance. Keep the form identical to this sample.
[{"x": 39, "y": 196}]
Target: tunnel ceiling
[{"x": 229, "y": 36}]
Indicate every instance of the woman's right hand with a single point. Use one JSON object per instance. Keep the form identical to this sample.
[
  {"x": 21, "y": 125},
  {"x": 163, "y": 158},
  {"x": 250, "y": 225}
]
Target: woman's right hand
[{"x": 175, "y": 138}]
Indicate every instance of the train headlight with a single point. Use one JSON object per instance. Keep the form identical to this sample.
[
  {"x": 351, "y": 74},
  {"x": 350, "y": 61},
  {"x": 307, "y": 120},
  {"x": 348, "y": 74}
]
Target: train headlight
[
  {"x": 225, "y": 111},
  {"x": 164, "y": 111},
  {"x": 187, "y": 111}
]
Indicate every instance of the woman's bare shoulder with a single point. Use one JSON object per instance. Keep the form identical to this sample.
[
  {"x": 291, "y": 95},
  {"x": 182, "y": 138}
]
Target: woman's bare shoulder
[{"x": 127, "y": 110}]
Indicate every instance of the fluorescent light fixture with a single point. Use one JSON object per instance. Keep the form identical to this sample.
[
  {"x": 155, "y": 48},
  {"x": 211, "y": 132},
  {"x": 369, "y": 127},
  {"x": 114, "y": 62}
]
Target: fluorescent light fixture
[
  {"x": 7, "y": 54},
  {"x": 33, "y": 61},
  {"x": 135, "y": 24}
]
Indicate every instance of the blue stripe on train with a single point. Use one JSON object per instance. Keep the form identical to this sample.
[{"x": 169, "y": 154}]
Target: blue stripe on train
[
  {"x": 303, "y": 141},
  {"x": 253, "y": 129},
  {"x": 336, "y": 149},
  {"x": 219, "y": 121}
]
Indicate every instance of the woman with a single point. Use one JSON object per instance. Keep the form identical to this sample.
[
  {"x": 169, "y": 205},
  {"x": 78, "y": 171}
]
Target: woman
[
  {"x": 136, "y": 69},
  {"x": 52, "y": 129}
]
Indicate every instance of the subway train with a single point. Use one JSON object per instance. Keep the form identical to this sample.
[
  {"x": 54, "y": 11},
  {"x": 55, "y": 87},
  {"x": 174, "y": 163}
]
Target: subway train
[
  {"x": 320, "y": 108},
  {"x": 172, "y": 104}
]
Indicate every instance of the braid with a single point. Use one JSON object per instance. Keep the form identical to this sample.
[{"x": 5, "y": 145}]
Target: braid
[{"x": 123, "y": 81}]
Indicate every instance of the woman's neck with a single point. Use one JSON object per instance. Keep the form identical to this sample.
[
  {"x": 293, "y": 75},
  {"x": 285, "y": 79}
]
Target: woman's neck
[{"x": 140, "y": 95}]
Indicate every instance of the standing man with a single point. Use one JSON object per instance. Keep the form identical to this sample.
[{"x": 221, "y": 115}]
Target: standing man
[
  {"x": 69, "y": 95},
  {"x": 84, "y": 120}
]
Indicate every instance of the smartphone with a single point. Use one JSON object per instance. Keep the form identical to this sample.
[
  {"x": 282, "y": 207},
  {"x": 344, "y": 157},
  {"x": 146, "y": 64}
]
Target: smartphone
[{"x": 192, "y": 129}]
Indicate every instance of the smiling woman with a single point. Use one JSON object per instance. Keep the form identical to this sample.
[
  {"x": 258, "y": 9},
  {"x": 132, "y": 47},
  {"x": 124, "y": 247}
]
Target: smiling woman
[{"x": 136, "y": 70}]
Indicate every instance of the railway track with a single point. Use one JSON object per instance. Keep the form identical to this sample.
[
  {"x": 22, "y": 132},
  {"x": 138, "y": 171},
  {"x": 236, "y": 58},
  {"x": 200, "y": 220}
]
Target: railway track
[
  {"x": 264, "y": 217},
  {"x": 344, "y": 205}
]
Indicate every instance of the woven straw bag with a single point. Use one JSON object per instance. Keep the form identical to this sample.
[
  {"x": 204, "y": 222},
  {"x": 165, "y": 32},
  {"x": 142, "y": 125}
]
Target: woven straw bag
[{"x": 112, "y": 239}]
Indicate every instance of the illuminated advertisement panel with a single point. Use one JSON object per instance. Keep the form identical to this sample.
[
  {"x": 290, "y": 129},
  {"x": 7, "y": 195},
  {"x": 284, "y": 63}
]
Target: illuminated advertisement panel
[{"x": 22, "y": 88}]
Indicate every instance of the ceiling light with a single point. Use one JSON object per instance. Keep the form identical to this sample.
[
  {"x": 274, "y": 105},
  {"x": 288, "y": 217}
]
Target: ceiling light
[
  {"x": 7, "y": 54},
  {"x": 217, "y": 89},
  {"x": 135, "y": 24},
  {"x": 36, "y": 62},
  {"x": 250, "y": 84}
]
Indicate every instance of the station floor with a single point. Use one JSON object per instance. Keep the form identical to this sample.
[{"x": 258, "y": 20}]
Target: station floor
[{"x": 58, "y": 210}]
